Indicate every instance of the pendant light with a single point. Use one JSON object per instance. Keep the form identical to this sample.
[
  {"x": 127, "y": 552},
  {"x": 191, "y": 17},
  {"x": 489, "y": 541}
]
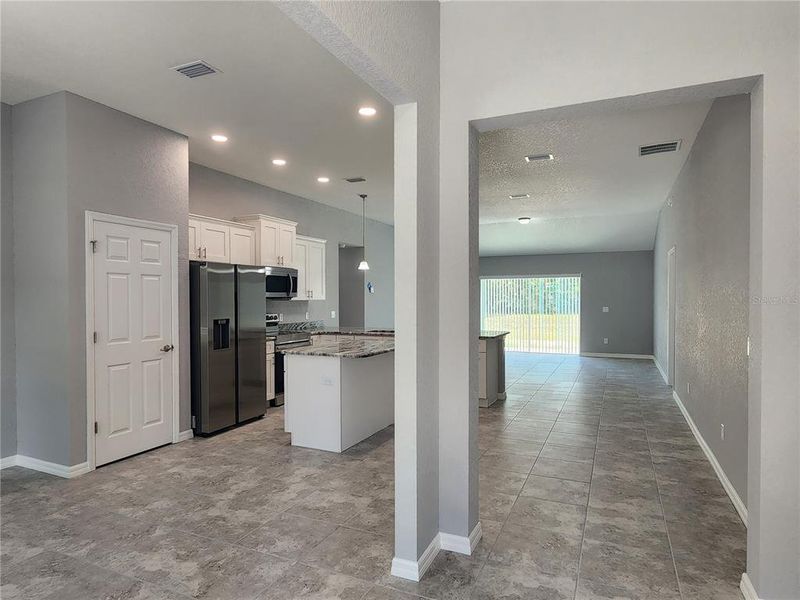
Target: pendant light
[{"x": 364, "y": 265}]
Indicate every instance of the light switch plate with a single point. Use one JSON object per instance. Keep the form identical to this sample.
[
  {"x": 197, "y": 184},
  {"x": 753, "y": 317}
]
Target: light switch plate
[
  {"x": 605, "y": 309},
  {"x": 333, "y": 314}
]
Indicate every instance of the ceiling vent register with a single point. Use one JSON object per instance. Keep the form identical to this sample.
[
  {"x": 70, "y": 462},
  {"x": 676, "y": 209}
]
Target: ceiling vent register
[
  {"x": 673, "y": 146},
  {"x": 197, "y": 68},
  {"x": 355, "y": 180}
]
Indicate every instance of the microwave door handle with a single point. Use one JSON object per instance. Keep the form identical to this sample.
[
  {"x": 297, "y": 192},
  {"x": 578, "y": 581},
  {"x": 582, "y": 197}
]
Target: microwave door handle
[{"x": 291, "y": 287}]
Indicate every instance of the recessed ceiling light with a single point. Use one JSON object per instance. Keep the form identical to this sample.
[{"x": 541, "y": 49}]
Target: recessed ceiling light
[
  {"x": 218, "y": 137},
  {"x": 367, "y": 111},
  {"x": 519, "y": 196},
  {"x": 323, "y": 179},
  {"x": 279, "y": 162},
  {"x": 538, "y": 157},
  {"x": 524, "y": 220}
]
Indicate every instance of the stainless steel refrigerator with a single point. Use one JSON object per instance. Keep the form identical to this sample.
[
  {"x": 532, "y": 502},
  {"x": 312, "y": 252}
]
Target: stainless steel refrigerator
[{"x": 228, "y": 345}]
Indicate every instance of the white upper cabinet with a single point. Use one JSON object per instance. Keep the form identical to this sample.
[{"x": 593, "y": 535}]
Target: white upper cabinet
[
  {"x": 274, "y": 241},
  {"x": 243, "y": 245},
  {"x": 309, "y": 254},
  {"x": 216, "y": 240}
]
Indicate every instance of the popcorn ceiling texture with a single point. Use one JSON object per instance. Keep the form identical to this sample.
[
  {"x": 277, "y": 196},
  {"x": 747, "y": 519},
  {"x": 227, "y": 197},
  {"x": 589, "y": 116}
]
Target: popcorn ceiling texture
[{"x": 707, "y": 219}]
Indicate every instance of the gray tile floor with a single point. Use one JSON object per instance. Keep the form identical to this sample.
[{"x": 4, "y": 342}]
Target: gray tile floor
[{"x": 592, "y": 486}]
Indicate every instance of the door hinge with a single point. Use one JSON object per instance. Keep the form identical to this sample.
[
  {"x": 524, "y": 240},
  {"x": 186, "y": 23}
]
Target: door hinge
[
  {"x": 94, "y": 246},
  {"x": 94, "y": 337},
  {"x": 96, "y": 428}
]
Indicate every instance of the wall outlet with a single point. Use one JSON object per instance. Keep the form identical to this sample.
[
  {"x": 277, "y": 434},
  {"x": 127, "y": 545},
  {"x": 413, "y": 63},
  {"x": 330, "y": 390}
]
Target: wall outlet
[
  {"x": 306, "y": 315},
  {"x": 280, "y": 316},
  {"x": 333, "y": 314},
  {"x": 722, "y": 431},
  {"x": 605, "y": 309},
  {"x": 605, "y": 340}
]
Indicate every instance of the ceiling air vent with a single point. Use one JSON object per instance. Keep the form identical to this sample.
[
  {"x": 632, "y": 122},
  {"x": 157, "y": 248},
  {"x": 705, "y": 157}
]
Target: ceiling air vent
[
  {"x": 355, "y": 180},
  {"x": 519, "y": 196},
  {"x": 197, "y": 68},
  {"x": 659, "y": 148},
  {"x": 538, "y": 157}
]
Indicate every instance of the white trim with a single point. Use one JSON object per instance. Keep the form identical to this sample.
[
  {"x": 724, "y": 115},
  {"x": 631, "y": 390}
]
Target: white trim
[
  {"x": 196, "y": 217},
  {"x": 43, "y": 466},
  {"x": 259, "y": 216},
  {"x": 615, "y": 355},
  {"x": 414, "y": 570},
  {"x": 185, "y": 435},
  {"x": 306, "y": 238},
  {"x": 90, "y": 218},
  {"x": 461, "y": 543},
  {"x": 723, "y": 479},
  {"x": 661, "y": 370},
  {"x": 747, "y": 589}
]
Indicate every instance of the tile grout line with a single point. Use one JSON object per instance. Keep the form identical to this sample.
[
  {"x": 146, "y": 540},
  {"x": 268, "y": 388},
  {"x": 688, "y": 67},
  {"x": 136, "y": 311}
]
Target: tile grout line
[{"x": 663, "y": 513}]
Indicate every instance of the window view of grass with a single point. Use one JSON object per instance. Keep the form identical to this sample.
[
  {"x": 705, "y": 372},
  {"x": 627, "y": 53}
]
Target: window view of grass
[{"x": 542, "y": 313}]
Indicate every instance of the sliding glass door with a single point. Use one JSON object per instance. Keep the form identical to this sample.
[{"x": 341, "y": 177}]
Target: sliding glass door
[{"x": 543, "y": 314}]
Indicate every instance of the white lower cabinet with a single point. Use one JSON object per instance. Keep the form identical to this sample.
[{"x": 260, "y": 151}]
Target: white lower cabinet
[
  {"x": 309, "y": 256},
  {"x": 270, "y": 375}
]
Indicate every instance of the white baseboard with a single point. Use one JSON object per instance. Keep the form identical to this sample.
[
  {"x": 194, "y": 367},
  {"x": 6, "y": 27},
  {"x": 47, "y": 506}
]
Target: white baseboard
[
  {"x": 185, "y": 435},
  {"x": 723, "y": 478},
  {"x": 8, "y": 461},
  {"x": 43, "y": 466},
  {"x": 461, "y": 543},
  {"x": 414, "y": 570},
  {"x": 747, "y": 589},
  {"x": 661, "y": 370},
  {"x": 614, "y": 355}
]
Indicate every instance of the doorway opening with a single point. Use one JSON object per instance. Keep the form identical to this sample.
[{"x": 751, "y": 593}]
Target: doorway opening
[{"x": 542, "y": 314}]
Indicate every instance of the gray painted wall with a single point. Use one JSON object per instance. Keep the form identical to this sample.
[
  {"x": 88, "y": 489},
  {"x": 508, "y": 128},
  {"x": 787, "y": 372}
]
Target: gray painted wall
[
  {"x": 351, "y": 287},
  {"x": 8, "y": 386},
  {"x": 73, "y": 155},
  {"x": 707, "y": 220},
  {"x": 623, "y": 281},
  {"x": 224, "y": 196}
]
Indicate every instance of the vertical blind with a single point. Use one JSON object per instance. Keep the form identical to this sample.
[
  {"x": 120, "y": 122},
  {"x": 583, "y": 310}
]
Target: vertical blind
[{"x": 543, "y": 314}]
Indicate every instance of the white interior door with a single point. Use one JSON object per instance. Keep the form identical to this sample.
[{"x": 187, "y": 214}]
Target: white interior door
[{"x": 133, "y": 321}]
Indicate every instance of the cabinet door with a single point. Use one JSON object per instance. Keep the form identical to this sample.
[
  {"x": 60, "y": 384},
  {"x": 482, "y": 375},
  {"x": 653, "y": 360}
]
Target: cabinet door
[
  {"x": 194, "y": 240},
  {"x": 270, "y": 243},
  {"x": 301, "y": 262},
  {"x": 315, "y": 270},
  {"x": 215, "y": 240},
  {"x": 270, "y": 377},
  {"x": 286, "y": 240},
  {"x": 242, "y": 246}
]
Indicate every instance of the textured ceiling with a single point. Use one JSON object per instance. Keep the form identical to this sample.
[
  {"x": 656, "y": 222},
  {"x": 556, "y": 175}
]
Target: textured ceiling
[
  {"x": 597, "y": 195},
  {"x": 280, "y": 94}
]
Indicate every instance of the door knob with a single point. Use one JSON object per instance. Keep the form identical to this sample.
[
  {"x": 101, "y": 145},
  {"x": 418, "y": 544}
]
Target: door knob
[{"x": 167, "y": 348}]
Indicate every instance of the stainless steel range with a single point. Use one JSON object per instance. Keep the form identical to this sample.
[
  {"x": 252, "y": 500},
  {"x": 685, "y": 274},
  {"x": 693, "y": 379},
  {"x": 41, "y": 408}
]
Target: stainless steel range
[{"x": 284, "y": 341}]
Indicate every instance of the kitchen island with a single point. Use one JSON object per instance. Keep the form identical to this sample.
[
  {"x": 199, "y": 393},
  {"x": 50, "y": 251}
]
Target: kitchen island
[
  {"x": 491, "y": 367},
  {"x": 339, "y": 391}
]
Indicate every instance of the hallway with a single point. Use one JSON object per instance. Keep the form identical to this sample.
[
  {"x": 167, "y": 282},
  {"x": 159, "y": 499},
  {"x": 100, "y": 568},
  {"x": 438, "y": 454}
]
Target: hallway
[{"x": 592, "y": 487}]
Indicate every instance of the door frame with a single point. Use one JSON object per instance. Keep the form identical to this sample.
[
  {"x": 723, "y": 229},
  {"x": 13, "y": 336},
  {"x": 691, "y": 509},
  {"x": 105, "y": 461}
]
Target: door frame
[
  {"x": 672, "y": 315},
  {"x": 90, "y": 219}
]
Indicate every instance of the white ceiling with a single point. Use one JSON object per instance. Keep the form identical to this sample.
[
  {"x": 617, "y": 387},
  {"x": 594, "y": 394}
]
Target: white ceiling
[
  {"x": 279, "y": 94},
  {"x": 597, "y": 195}
]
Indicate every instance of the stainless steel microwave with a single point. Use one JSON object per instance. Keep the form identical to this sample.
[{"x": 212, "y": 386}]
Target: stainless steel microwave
[{"x": 281, "y": 283}]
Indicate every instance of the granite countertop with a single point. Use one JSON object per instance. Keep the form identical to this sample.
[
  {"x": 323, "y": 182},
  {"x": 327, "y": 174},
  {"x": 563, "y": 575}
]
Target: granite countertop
[
  {"x": 353, "y": 331},
  {"x": 488, "y": 334},
  {"x": 358, "y": 348}
]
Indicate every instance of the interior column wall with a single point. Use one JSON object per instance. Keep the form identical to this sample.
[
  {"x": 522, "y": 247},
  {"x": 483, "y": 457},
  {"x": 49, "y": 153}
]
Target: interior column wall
[{"x": 485, "y": 76}]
